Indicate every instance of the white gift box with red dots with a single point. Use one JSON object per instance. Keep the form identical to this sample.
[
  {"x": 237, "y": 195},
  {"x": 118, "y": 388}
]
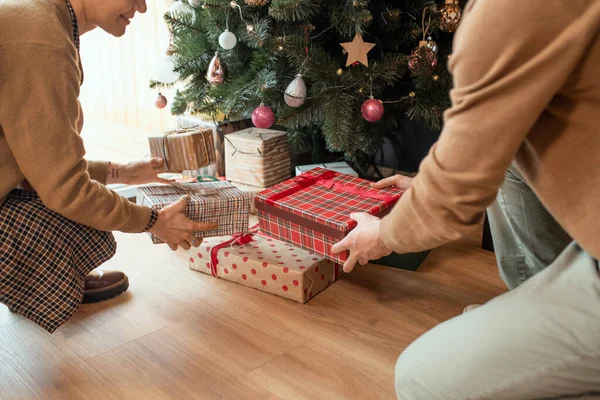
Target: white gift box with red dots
[{"x": 268, "y": 265}]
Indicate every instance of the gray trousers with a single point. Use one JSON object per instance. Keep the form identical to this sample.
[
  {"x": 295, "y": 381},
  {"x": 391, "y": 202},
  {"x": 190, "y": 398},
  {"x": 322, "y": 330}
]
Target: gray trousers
[
  {"x": 526, "y": 237},
  {"x": 539, "y": 341}
]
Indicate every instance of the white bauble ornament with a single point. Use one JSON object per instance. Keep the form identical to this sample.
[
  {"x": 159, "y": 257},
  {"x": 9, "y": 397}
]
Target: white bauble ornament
[
  {"x": 164, "y": 70},
  {"x": 181, "y": 7},
  {"x": 295, "y": 94},
  {"x": 227, "y": 40}
]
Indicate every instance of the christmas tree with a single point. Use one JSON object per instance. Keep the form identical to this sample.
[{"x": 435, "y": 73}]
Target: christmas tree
[{"x": 335, "y": 72}]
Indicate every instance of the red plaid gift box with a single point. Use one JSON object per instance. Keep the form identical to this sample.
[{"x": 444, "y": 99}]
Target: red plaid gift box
[
  {"x": 312, "y": 211},
  {"x": 265, "y": 264},
  {"x": 219, "y": 202}
]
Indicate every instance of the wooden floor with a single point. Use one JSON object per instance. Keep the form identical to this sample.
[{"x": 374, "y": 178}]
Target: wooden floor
[{"x": 180, "y": 334}]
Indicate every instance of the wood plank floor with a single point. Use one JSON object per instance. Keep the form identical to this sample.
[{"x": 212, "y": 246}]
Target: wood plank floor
[{"x": 181, "y": 334}]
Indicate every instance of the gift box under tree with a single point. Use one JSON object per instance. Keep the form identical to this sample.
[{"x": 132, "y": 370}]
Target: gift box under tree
[
  {"x": 265, "y": 264},
  {"x": 184, "y": 149},
  {"x": 251, "y": 192},
  {"x": 312, "y": 210},
  {"x": 257, "y": 157},
  {"x": 219, "y": 202}
]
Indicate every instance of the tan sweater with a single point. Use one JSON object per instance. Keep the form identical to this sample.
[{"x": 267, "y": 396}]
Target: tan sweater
[
  {"x": 40, "y": 119},
  {"x": 527, "y": 87}
]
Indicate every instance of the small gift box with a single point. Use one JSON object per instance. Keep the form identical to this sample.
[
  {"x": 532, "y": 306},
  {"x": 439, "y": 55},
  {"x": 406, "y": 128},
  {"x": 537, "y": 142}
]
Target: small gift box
[
  {"x": 342, "y": 167},
  {"x": 265, "y": 264},
  {"x": 312, "y": 210},
  {"x": 184, "y": 149},
  {"x": 219, "y": 202},
  {"x": 257, "y": 157},
  {"x": 251, "y": 192}
]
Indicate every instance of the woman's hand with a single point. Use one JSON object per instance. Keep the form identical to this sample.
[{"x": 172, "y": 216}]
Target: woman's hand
[
  {"x": 136, "y": 172},
  {"x": 174, "y": 228}
]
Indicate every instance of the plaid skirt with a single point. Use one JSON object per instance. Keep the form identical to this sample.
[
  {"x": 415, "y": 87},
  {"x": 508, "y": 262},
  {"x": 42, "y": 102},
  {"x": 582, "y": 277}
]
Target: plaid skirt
[{"x": 44, "y": 259}]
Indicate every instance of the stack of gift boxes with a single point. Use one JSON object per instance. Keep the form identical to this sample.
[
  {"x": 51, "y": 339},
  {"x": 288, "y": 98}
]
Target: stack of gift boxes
[{"x": 289, "y": 252}]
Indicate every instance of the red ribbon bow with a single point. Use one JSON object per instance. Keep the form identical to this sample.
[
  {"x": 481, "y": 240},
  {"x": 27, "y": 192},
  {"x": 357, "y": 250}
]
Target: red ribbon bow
[{"x": 240, "y": 239}]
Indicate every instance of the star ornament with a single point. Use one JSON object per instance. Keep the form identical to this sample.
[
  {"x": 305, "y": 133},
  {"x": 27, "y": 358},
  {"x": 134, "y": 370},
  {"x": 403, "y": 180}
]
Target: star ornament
[{"x": 357, "y": 50}]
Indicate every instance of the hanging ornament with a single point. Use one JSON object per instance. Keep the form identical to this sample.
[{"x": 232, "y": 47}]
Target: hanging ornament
[
  {"x": 161, "y": 101},
  {"x": 263, "y": 117},
  {"x": 450, "y": 15},
  {"x": 421, "y": 56},
  {"x": 227, "y": 40},
  {"x": 431, "y": 45},
  {"x": 195, "y": 3},
  {"x": 180, "y": 7},
  {"x": 256, "y": 3},
  {"x": 164, "y": 70},
  {"x": 340, "y": 72},
  {"x": 217, "y": 71},
  {"x": 295, "y": 94},
  {"x": 357, "y": 50},
  {"x": 372, "y": 109}
]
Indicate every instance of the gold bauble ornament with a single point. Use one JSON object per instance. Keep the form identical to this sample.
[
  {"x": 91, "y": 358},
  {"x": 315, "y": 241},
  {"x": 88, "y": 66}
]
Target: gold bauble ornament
[
  {"x": 412, "y": 94},
  {"x": 436, "y": 78},
  {"x": 340, "y": 72},
  {"x": 450, "y": 15}
]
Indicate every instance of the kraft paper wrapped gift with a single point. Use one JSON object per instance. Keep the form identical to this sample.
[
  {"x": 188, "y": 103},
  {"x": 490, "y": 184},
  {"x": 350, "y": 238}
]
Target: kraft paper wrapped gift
[
  {"x": 251, "y": 192},
  {"x": 257, "y": 157},
  {"x": 312, "y": 210},
  {"x": 184, "y": 149},
  {"x": 219, "y": 202},
  {"x": 265, "y": 264}
]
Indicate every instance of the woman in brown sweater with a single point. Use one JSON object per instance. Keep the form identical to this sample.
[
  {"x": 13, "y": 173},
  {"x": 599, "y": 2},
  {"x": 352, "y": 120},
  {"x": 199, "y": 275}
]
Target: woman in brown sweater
[{"x": 56, "y": 213}]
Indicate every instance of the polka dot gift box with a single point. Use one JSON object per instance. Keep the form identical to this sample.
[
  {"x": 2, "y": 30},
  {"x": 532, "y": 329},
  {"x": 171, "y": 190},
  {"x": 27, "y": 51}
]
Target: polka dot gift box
[{"x": 265, "y": 264}]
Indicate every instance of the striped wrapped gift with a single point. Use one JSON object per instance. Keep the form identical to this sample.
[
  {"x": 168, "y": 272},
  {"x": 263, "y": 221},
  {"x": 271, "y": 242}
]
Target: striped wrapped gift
[
  {"x": 184, "y": 149},
  {"x": 312, "y": 211},
  {"x": 251, "y": 192},
  {"x": 257, "y": 157},
  {"x": 219, "y": 202}
]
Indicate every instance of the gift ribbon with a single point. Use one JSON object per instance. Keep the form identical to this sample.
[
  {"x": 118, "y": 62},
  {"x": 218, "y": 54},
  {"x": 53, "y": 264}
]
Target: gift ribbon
[
  {"x": 240, "y": 239},
  {"x": 325, "y": 180}
]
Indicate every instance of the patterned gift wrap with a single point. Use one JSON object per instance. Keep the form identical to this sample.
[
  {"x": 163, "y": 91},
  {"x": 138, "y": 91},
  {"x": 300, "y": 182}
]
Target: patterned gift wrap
[
  {"x": 219, "y": 202},
  {"x": 251, "y": 192},
  {"x": 257, "y": 157},
  {"x": 312, "y": 210},
  {"x": 184, "y": 149},
  {"x": 265, "y": 264}
]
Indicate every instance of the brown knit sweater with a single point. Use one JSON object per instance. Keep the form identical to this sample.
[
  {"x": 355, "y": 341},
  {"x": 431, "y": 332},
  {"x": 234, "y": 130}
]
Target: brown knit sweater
[
  {"x": 41, "y": 118},
  {"x": 527, "y": 87}
]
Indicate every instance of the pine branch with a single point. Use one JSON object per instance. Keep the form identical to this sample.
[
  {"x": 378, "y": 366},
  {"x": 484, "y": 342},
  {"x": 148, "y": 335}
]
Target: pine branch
[{"x": 294, "y": 10}]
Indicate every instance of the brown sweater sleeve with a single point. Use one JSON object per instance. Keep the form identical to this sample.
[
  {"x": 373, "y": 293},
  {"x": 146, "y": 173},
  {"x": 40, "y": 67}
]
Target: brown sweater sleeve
[
  {"x": 39, "y": 117},
  {"x": 98, "y": 170},
  {"x": 510, "y": 59}
]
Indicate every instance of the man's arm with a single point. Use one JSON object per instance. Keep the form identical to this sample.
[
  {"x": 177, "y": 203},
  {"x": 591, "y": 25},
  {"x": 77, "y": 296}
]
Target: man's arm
[{"x": 509, "y": 61}]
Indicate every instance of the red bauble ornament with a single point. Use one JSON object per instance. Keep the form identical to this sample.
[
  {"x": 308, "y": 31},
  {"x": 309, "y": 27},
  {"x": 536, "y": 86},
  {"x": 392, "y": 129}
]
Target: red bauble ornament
[
  {"x": 422, "y": 55},
  {"x": 372, "y": 110},
  {"x": 263, "y": 117},
  {"x": 161, "y": 101}
]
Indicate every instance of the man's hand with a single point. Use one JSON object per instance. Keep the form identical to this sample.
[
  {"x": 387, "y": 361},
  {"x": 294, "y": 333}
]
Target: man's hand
[
  {"x": 364, "y": 242},
  {"x": 174, "y": 228},
  {"x": 136, "y": 172},
  {"x": 400, "y": 181}
]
